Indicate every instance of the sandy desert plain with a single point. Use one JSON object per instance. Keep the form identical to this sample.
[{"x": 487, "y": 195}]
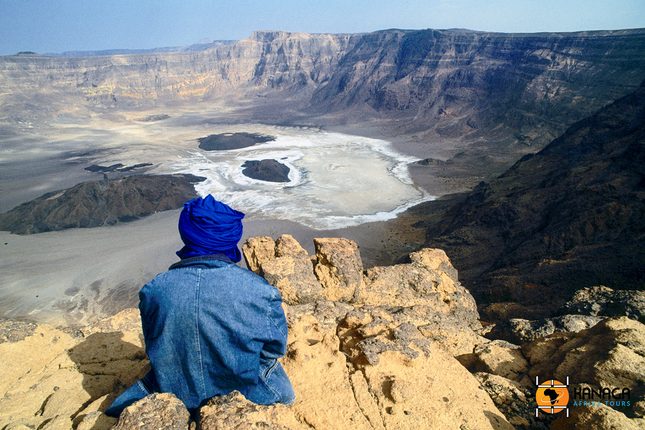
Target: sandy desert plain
[{"x": 343, "y": 184}]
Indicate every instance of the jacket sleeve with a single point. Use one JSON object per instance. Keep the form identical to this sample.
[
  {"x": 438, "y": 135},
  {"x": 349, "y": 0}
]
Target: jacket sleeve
[{"x": 276, "y": 344}]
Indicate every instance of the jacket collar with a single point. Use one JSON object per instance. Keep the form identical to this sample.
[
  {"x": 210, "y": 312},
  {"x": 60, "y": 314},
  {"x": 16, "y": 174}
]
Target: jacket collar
[{"x": 201, "y": 258}]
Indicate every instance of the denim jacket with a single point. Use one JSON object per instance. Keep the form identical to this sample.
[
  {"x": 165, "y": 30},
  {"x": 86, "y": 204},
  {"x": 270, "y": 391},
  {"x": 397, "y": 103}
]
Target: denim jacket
[{"x": 212, "y": 327}]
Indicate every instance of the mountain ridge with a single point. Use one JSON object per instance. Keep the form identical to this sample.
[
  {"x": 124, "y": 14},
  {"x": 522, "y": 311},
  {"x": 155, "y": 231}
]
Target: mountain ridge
[{"x": 569, "y": 215}]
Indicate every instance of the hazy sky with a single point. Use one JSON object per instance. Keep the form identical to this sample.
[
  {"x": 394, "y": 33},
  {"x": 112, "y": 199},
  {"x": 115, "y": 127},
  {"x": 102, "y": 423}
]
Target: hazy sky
[{"x": 82, "y": 25}]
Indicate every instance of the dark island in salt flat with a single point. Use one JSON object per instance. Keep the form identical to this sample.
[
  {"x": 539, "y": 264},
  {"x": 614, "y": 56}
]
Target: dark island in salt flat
[
  {"x": 224, "y": 141},
  {"x": 266, "y": 170}
]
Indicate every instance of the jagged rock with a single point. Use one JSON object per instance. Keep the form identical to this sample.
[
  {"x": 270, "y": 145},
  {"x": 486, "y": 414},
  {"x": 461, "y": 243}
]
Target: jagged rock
[
  {"x": 500, "y": 358},
  {"x": 286, "y": 266},
  {"x": 294, "y": 278},
  {"x": 338, "y": 268},
  {"x": 256, "y": 251},
  {"x": 597, "y": 417},
  {"x": 327, "y": 315},
  {"x": 610, "y": 354},
  {"x": 605, "y": 302},
  {"x": 387, "y": 382},
  {"x": 426, "y": 291},
  {"x": 157, "y": 411},
  {"x": 287, "y": 246},
  {"x": 233, "y": 411},
  {"x": 422, "y": 282},
  {"x": 520, "y": 331},
  {"x": 510, "y": 397}
]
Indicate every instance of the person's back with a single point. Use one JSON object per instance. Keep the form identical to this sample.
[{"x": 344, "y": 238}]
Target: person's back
[{"x": 210, "y": 326}]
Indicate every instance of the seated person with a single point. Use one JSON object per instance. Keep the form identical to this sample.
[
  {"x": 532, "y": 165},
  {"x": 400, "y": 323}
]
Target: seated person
[{"x": 210, "y": 326}]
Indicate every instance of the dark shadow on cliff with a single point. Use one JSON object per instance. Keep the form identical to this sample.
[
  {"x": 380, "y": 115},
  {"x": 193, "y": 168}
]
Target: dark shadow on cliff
[
  {"x": 568, "y": 217},
  {"x": 109, "y": 365}
]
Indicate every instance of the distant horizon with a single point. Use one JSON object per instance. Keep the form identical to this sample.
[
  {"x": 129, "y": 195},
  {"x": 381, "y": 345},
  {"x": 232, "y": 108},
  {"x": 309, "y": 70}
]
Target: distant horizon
[
  {"x": 203, "y": 41},
  {"x": 103, "y": 25}
]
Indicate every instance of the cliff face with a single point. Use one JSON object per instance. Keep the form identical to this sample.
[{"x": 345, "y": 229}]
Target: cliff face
[
  {"x": 527, "y": 87},
  {"x": 570, "y": 215}
]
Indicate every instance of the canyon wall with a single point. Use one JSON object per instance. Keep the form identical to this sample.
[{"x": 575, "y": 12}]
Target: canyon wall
[{"x": 461, "y": 84}]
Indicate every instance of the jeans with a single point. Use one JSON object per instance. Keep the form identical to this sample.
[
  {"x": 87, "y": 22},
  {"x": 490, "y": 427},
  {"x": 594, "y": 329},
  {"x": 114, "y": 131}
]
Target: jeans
[{"x": 273, "y": 387}]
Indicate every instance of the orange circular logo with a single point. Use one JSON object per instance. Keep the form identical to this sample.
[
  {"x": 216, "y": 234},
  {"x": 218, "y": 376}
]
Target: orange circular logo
[{"x": 552, "y": 396}]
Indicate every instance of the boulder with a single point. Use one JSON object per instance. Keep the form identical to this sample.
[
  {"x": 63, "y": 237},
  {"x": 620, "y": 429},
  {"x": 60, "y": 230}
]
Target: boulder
[
  {"x": 257, "y": 250},
  {"x": 233, "y": 411},
  {"x": 294, "y": 278},
  {"x": 157, "y": 411},
  {"x": 339, "y": 268},
  {"x": 429, "y": 280},
  {"x": 501, "y": 358}
]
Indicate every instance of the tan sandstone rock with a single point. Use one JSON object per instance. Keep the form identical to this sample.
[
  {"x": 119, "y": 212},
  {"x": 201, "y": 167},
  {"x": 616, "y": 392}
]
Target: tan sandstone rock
[
  {"x": 501, "y": 358},
  {"x": 339, "y": 268},
  {"x": 157, "y": 411},
  {"x": 287, "y": 246},
  {"x": 610, "y": 354},
  {"x": 395, "y": 378},
  {"x": 294, "y": 278},
  {"x": 597, "y": 417},
  {"x": 49, "y": 377},
  {"x": 233, "y": 411},
  {"x": 256, "y": 251}
]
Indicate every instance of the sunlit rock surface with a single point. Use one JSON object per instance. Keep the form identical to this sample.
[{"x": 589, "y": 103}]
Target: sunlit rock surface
[{"x": 352, "y": 365}]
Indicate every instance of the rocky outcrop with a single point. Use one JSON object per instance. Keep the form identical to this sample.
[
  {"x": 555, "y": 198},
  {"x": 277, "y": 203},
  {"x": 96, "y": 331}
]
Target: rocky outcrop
[
  {"x": 226, "y": 141},
  {"x": 570, "y": 216},
  {"x": 99, "y": 203},
  {"x": 353, "y": 365},
  {"x": 427, "y": 288},
  {"x": 587, "y": 308},
  {"x": 266, "y": 170}
]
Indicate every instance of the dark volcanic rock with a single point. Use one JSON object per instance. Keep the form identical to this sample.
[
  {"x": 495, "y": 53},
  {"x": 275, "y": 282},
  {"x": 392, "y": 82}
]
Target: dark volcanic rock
[
  {"x": 519, "y": 331},
  {"x": 266, "y": 170},
  {"x": 153, "y": 118},
  {"x": 118, "y": 167},
  {"x": 98, "y": 203},
  {"x": 570, "y": 216},
  {"x": 605, "y": 302},
  {"x": 224, "y": 141}
]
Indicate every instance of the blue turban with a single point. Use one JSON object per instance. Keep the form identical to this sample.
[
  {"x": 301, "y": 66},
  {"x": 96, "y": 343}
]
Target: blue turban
[{"x": 207, "y": 226}]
